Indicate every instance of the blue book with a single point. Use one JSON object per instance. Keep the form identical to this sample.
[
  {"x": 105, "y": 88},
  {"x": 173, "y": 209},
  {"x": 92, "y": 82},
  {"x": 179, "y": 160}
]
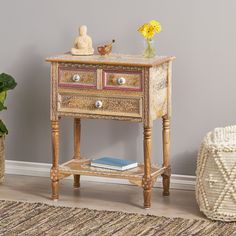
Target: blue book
[{"x": 113, "y": 163}]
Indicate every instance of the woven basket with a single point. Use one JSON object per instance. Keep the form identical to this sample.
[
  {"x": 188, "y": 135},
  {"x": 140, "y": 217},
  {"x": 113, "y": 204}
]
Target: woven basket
[
  {"x": 2, "y": 158},
  {"x": 216, "y": 174}
]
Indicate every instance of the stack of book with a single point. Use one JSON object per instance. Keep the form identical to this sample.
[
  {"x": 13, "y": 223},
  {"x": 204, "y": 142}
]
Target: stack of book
[{"x": 113, "y": 163}]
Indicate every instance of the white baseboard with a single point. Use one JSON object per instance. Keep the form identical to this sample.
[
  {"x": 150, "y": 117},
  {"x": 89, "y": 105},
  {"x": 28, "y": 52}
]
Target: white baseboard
[{"x": 186, "y": 182}]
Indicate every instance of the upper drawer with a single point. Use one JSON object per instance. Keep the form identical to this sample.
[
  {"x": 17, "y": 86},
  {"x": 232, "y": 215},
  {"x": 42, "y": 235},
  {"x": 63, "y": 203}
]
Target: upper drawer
[
  {"x": 72, "y": 77},
  {"x": 122, "y": 80}
]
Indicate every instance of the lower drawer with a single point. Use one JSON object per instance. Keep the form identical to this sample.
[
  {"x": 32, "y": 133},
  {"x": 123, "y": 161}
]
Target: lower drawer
[{"x": 98, "y": 105}]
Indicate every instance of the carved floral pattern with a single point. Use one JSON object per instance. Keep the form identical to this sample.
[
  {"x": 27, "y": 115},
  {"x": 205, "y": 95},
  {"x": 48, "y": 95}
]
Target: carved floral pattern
[
  {"x": 132, "y": 80},
  {"x": 141, "y": 105},
  {"x": 147, "y": 182},
  {"x": 167, "y": 172},
  {"x": 73, "y": 66},
  {"x": 158, "y": 87},
  {"x": 86, "y": 77},
  {"x": 54, "y": 174},
  {"x": 119, "y": 105}
]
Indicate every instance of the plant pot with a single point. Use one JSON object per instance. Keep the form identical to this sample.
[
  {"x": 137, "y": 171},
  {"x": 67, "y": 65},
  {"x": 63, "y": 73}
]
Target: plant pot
[{"x": 2, "y": 158}]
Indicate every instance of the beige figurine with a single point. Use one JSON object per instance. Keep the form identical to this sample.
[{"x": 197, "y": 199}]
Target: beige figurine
[{"x": 83, "y": 43}]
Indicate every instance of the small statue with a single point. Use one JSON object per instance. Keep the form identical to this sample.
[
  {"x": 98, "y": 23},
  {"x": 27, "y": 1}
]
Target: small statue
[{"x": 83, "y": 43}]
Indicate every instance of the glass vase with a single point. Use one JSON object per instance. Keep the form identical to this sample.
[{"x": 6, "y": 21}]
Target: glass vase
[{"x": 149, "y": 49}]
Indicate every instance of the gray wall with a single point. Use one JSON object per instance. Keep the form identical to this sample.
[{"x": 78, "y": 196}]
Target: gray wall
[{"x": 201, "y": 34}]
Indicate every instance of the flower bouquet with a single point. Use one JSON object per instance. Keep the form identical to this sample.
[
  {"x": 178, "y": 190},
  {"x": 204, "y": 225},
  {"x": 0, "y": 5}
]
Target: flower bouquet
[{"x": 148, "y": 31}]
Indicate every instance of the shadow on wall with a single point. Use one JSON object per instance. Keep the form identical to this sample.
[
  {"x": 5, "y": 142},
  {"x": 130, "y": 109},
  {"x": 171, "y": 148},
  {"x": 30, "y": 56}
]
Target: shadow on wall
[
  {"x": 182, "y": 163},
  {"x": 29, "y": 113}
]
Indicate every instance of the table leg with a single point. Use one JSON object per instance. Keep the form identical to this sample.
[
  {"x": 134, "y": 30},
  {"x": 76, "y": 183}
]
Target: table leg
[
  {"x": 55, "y": 155},
  {"x": 77, "y": 128},
  {"x": 166, "y": 155},
  {"x": 147, "y": 180}
]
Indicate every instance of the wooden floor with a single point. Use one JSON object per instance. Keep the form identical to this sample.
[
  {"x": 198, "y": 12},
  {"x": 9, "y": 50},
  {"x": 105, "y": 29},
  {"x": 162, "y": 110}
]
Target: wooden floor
[{"x": 100, "y": 196}]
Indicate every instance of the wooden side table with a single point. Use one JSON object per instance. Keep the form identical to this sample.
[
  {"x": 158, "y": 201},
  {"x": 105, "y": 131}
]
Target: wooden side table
[{"x": 119, "y": 87}]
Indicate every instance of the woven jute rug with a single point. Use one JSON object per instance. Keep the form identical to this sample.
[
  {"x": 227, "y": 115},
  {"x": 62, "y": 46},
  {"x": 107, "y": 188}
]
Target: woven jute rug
[{"x": 21, "y": 218}]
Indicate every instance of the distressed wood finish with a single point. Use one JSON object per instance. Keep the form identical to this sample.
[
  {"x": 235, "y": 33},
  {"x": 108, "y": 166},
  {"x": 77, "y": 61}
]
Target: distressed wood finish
[
  {"x": 82, "y": 167},
  {"x": 53, "y": 91},
  {"x": 147, "y": 180},
  {"x": 55, "y": 154},
  {"x": 110, "y": 105},
  {"x": 158, "y": 91},
  {"x": 112, "y": 59},
  {"x": 77, "y": 134},
  {"x": 144, "y": 97},
  {"x": 88, "y": 78},
  {"x": 166, "y": 135},
  {"x": 133, "y": 80},
  {"x": 166, "y": 154}
]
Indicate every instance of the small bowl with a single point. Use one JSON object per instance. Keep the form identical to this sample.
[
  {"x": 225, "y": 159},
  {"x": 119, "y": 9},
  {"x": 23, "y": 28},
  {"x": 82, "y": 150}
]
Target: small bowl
[
  {"x": 102, "y": 50},
  {"x": 105, "y": 49}
]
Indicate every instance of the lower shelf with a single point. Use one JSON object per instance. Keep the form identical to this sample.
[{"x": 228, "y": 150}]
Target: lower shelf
[{"x": 82, "y": 167}]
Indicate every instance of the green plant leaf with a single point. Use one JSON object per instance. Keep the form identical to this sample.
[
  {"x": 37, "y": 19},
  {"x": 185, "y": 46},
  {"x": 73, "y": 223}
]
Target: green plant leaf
[
  {"x": 3, "y": 96},
  {"x": 3, "y": 129},
  {"x": 2, "y": 107},
  {"x": 7, "y": 82}
]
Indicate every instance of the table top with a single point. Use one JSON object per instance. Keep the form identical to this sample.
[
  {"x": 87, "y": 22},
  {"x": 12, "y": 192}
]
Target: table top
[{"x": 112, "y": 59}]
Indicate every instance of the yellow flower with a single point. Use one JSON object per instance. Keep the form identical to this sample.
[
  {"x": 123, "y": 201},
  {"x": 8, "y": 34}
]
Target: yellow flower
[
  {"x": 156, "y": 25},
  {"x": 143, "y": 28},
  {"x": 147, "y": 30}
]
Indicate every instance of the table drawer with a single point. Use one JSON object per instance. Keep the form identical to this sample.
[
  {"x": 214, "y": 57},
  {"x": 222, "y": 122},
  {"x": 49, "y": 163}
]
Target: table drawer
[
  {"x": 93, "y": 104},
  {"x": 72, "y": 77},
  {"x": 122, "y": 80}
]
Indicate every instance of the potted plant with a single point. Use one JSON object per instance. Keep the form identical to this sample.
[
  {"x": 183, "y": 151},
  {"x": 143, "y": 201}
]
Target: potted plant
[{"x": 7, "y": 82}]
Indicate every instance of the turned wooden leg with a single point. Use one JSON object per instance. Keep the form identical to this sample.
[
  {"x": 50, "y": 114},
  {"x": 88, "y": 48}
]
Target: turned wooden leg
[
  {"x": 55, "y": 155},
  {"x": 166, "y": 155},
  {"x": 77, "y": 127},
  {"x": 147, "y": 180}
]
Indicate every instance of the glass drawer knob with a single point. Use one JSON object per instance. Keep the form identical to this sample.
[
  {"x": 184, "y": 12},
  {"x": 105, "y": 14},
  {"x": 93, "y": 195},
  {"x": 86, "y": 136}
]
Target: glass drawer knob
[
  {"x": 76, "y": 78},
  {"x": 98, "y": 104},
  {"x": 121, "y": 81}
]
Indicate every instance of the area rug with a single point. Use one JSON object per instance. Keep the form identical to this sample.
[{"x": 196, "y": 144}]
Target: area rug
[{"x": 21, "y": 218}]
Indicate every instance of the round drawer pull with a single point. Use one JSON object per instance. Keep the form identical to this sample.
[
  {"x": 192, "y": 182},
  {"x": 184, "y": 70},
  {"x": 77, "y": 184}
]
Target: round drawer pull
[
  {"x": 98, "y": 104},
  {"x": 121, "y": 81},
  {"x": 76, "y": 78}
]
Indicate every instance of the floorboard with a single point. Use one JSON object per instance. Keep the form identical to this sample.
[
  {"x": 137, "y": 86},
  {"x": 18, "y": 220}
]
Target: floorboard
[{"x": 101, "y": 196}]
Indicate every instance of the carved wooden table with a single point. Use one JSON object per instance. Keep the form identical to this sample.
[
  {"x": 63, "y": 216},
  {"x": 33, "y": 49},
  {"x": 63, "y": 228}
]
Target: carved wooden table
[{"x": 119, "y": 87}]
